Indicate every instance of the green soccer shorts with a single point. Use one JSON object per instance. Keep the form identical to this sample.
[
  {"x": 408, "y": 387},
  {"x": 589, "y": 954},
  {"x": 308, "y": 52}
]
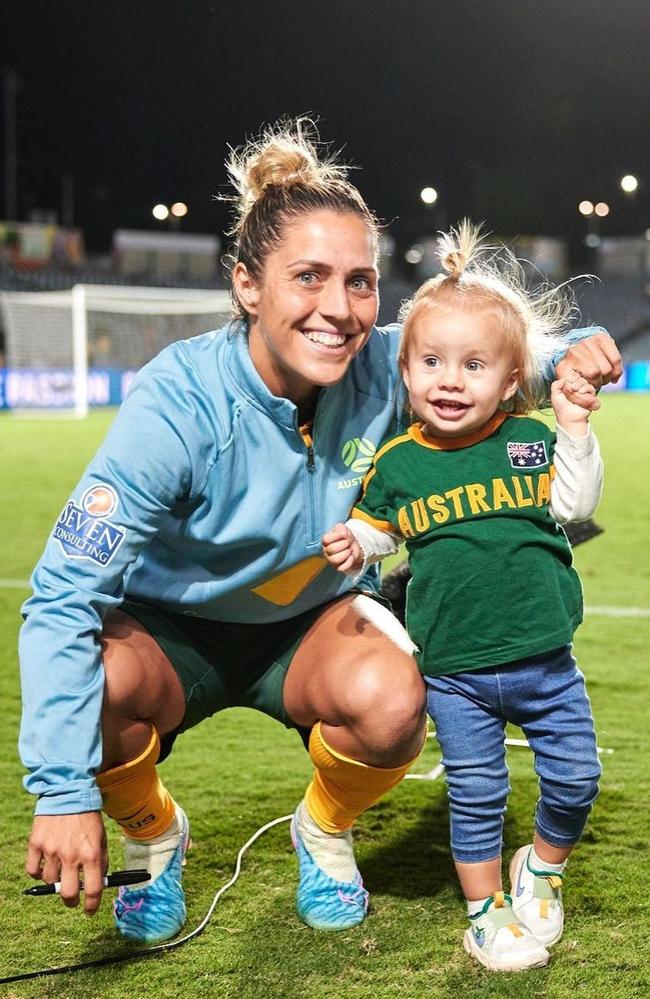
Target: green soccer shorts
[{"x": 222, "y": 664}]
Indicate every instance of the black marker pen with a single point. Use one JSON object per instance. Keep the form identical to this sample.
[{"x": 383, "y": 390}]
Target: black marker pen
[{"x": 110, "y": 881}]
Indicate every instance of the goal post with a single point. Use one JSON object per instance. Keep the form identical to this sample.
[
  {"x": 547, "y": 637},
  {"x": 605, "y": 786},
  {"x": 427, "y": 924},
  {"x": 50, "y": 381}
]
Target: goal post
[
  {"x": 79, "y": 350},
  {"x": 61, "y": 346}
]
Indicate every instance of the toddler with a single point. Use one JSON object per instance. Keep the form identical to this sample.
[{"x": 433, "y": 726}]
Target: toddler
[{"x": 477, "y": 488}]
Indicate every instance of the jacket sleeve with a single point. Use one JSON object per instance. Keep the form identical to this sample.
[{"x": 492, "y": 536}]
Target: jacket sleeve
[{"x": 153, "y": 457}]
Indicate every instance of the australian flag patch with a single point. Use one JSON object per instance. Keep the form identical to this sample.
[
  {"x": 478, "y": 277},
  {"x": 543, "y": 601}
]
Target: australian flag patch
[{"x": 530, "y": 455}]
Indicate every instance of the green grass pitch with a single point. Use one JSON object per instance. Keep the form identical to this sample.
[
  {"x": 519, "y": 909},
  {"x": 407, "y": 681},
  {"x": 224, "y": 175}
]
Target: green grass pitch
[{"x": 239, "y": 770}]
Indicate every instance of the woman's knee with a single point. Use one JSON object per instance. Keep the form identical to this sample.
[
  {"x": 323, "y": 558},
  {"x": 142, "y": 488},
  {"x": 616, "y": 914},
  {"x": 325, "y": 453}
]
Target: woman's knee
[
  {"x": 141, "y": 687},
  {"x": 387, "y": 708}
]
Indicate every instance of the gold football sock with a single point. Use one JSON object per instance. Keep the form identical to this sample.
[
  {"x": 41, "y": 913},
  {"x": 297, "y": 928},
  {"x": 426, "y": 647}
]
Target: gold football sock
[
  {"x": 343, "y": 788},
  {"x": 135, "y": 797}
]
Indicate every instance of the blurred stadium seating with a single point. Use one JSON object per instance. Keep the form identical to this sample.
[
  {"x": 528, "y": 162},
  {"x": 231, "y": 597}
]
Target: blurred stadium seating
[
  {"x": 622, "y": 305},
  {"x": 60, "y": 279}
]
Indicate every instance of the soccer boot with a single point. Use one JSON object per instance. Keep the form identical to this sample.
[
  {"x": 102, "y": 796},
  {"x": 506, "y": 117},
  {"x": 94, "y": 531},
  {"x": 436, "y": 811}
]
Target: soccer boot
[
  {"x": 537, "y": 898},
  {"x": 321, "y": 900},
  {"x": 499, "y": 941},
  {"x": 155, "y": 910}
]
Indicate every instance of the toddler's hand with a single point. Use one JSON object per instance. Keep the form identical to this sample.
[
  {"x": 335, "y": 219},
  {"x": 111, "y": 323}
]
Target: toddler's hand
[
  {"x": 573, "y": 399},
  {"x": 341, "y": 549},
  {"x": 577, "y": 391}
]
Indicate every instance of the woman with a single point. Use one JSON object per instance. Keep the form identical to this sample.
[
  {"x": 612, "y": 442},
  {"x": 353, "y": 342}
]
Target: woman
[{"x": 185, "y": 574}]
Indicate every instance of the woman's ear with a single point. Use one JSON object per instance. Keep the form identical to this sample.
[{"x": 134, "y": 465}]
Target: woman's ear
[
  {"x": 511, "y": 385},
  {"x": 246, "y": 288}
]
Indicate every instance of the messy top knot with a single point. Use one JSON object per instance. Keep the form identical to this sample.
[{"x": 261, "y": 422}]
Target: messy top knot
[
  {"x": 283, "y": 167},
  {"x": 491, "y": 280},
  {"x": 284, "y": 155},
  {"x": 282, "y": 174},
  {"x": 457, "y": 248}
]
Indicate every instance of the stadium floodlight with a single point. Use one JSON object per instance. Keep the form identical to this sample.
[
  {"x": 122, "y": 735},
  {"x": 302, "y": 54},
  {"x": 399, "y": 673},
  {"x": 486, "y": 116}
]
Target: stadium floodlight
[
  {"x": 179, "y": 209},
  {"x": 160, "y": 212},
  {"x": 586, "y": 208},
  {"x": 629, "y": 183},
  {"x": 429, "y": 195},
  {"x": 64, "y": 347},
  {"x": 602, "y": 209},
  {"x": 414, "y": 254}
]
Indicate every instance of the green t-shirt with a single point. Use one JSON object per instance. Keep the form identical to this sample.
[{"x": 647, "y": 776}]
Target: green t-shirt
[{"x": 492, "y": 574}]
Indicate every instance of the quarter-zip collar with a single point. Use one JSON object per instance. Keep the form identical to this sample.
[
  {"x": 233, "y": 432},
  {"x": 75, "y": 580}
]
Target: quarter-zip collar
[{"x": 249, "y": 382}]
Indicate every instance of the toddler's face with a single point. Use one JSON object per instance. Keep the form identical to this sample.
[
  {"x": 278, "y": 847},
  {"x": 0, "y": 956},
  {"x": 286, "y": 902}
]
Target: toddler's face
[{"x": 459, "y": 368}]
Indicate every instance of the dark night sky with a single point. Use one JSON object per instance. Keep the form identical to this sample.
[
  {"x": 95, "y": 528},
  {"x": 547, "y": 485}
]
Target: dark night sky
[{"x": 513, "y": 110}]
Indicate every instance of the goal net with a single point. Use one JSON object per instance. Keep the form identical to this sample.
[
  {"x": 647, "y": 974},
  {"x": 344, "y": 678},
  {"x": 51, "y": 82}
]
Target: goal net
[{"x": 57, "y": 342}]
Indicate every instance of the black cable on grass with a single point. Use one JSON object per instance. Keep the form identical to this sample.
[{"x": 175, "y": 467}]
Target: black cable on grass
[{"x": 159, "y": 948}]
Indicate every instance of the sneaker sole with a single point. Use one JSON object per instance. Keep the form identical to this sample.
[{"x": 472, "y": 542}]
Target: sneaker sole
[
  {"x": 518, "y": 858},
  {"x": 487, "y": 962}
]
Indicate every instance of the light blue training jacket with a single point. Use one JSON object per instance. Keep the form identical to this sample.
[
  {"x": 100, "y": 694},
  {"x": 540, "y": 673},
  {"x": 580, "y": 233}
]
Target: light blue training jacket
[{"x": 204, "y": 499}]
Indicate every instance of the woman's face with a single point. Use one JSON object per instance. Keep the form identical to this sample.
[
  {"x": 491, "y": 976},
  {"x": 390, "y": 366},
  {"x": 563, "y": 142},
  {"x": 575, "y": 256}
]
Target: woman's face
[{"x": 315, "y": 304}]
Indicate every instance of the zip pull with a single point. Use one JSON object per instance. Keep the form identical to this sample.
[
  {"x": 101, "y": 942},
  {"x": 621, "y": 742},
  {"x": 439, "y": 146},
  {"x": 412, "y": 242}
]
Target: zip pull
[{"x": 306, "y": 432}]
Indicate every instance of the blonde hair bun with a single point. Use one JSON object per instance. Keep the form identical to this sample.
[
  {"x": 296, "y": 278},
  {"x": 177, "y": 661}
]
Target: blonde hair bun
[
  {"x": 457, "y": 247},
  {"x": 454, "y": 263},
  {"x": 281, "y": 167},
  {"x": 284, "y": 155}
]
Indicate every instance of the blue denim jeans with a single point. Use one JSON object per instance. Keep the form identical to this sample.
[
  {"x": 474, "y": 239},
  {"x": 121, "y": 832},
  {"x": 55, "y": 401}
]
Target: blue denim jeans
[{"x": 546, "y": 696}]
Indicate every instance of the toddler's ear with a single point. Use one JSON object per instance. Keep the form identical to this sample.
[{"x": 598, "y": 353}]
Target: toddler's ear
[{"x": 511, "y": 385}]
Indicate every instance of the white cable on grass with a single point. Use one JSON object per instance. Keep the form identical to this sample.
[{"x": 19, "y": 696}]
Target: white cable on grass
[
  {"x": 224, "y": 888},
  {"x": 439, "y": 768}
]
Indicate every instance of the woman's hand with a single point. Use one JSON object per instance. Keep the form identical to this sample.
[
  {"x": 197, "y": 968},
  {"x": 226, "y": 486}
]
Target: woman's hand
[
  {"x": 597, "y": 359},
  {"x": 341, "y": 549},
  {"x": 70, "y": 849}
]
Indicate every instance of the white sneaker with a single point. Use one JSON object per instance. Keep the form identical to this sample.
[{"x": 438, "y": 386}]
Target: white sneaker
[
  {"x": 499, "y": 941},
  {"x": 537, "y": 898}
]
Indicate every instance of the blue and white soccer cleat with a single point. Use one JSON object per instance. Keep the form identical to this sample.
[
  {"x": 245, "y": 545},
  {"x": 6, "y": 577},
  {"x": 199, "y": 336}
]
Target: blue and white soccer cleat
[
  {"x": 156, "y": 911},
  {"x": 322, "y": 901}
]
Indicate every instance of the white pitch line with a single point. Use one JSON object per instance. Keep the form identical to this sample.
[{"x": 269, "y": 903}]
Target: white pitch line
[
  {"x": 24, "y": 584},
  {"x": 618, "y": 611}
]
